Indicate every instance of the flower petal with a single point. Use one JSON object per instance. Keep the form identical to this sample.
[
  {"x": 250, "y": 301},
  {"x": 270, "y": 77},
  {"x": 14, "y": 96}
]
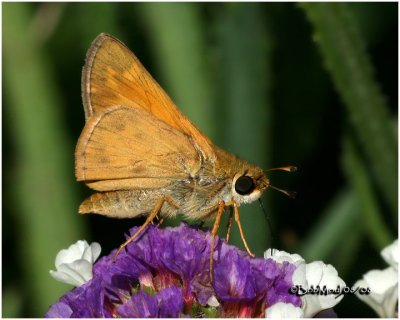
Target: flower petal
[
  {"x": 74, "y": 265},
  {"x": 96, "y": 250},
  {"x": 299, "y": 275},
  {"x": 141, "y": 305},
  {"x": 83, "y": 267},
  {"x": 383, "y": 296},
  {"x": 170, "y": 302},
  {"x": 213, "y": 302},
  {"x": 317, "y": 274},
  {"x": 391, "y": 254},
  {"x": 233, "y": 279},
  {"x": 75, "y": 273},
  {"x": 65, "y": 278},
  {"x": 74, "y": 252},
  {"x": 282, "y": 310},
  {"x": 320, "y": 274},
  {"x": 314, "y": 273},
  {"x": 282, "y": 256},
  {"x": 59, "y": 310},
  {"x": 92, "y": 252}
]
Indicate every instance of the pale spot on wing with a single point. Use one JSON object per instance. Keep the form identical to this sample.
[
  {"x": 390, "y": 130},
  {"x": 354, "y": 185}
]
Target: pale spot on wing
[{"x": 104, "y": 160}]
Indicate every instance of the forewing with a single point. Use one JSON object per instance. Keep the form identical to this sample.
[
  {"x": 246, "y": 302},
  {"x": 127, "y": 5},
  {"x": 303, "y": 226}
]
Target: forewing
[
  {"x": 114, "y": 76},
  {"x": 128, "y": 148}
]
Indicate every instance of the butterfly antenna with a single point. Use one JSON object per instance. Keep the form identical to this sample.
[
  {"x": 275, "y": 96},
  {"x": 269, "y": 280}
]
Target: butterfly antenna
[
  {"x": 287, "y": 168},
  {"x": 269, "y": 223},
  {"x": 291, "y": 194}
]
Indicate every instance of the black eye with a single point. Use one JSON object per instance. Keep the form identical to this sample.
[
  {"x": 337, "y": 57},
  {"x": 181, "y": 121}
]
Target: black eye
[{"x": 244, "y": 185}]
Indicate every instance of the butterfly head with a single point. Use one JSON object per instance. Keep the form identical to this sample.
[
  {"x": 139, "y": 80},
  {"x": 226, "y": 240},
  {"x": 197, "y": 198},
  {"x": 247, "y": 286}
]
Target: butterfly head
[{"x": 249, "y": 185}]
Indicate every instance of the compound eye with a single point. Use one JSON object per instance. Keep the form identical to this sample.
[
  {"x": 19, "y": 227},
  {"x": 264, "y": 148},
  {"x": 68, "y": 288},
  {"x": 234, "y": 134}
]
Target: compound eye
[{"x": 244, "y": 185}]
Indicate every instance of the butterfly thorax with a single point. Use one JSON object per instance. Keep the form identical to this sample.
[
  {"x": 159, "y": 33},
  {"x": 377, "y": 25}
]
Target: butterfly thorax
[{"x": 216, "y": 181}]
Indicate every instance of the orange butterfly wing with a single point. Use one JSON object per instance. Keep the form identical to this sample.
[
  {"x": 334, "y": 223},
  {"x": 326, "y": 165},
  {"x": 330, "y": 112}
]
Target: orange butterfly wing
[
  {"x": 113, "y": 76},
  {"x": 128, "y": 148}
]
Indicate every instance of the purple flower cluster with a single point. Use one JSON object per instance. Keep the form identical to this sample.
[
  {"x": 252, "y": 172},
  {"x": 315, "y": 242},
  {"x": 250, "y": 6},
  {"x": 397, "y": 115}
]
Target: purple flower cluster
[{"x": 165, "y": 273}]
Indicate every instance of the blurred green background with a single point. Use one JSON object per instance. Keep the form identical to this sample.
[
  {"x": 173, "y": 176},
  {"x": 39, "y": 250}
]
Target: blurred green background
[{"x": 312, "y": 85}]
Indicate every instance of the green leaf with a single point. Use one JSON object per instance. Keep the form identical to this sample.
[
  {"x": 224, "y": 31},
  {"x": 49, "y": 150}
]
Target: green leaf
[
  {"x": 45, "y": 203},
  {"x": 347, "y": 59},
  {"x": 338, "y": 219},
  {"x": 358, "y": 176}
]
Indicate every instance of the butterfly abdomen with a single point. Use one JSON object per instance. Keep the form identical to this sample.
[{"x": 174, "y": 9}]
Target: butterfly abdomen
[{"x": 124, "y": 203}]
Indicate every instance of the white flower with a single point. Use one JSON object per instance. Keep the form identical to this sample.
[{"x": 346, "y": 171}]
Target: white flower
[
  {"x": 383, "y": 295},
  {"x": 391, "y": 254},
  {"x": 310, "y": 275},
  {"x": 281, "y": 256},
  {"x": 282, "y": 310},
  {"x": 317, "y": 274},
  {"x": 383, "y": 284},
  {"x": 74, "y": 265},
  {"x": 213, "y": 302}
]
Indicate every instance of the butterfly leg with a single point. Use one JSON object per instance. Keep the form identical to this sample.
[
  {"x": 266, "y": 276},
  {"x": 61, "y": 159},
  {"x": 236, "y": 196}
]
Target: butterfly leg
[
  {"x": 229, "y": 225},
  {"x": 221, "y": 207},
  {"x": 160, "y": 221},
  {"x": 149, "y": 219},
  {"x": 237, "y": 219}
]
